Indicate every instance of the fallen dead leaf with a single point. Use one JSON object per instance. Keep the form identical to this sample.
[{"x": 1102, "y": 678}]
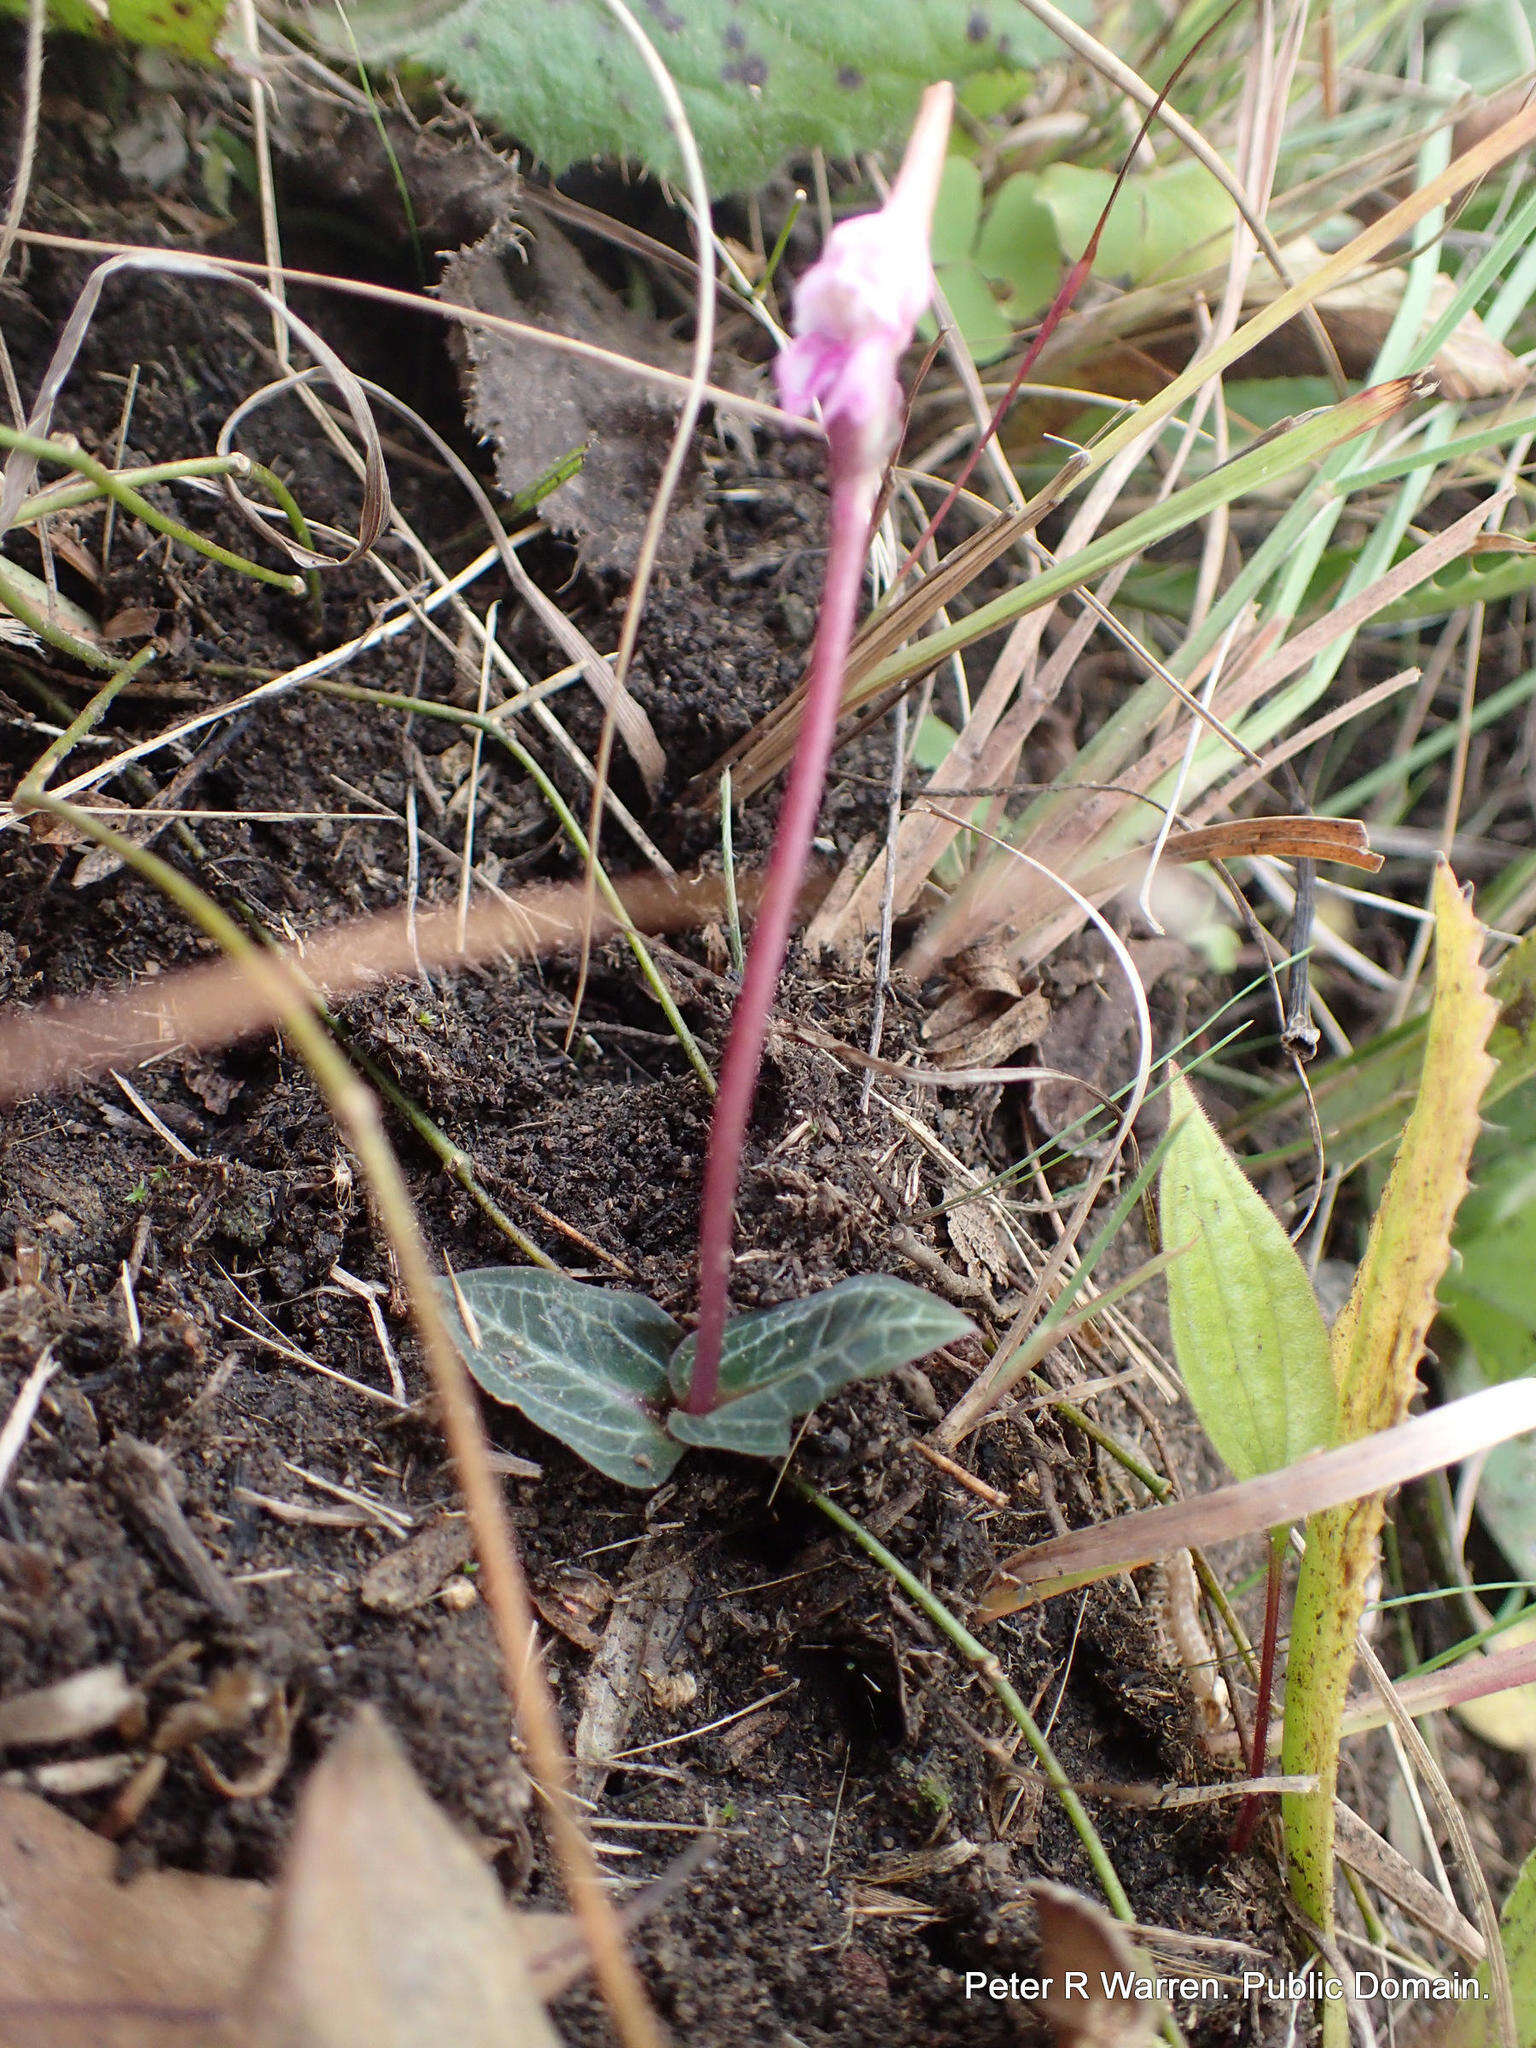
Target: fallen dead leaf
[
  {"x": 1468, "y": 364},
  {"x": 88, "y": 1963},
  {"x": 388, "y": 1930},
  {"x": 646, "y": 1616},
  {"x": 1089, "y": 1034},
  {"x": 981, "y": 1247},
  {"x": 988, "y": 1014},
  {"x": 1078, "y": 1936},
  {"x": 1130, "y": 346},
  {"x": 408, "y": 1577},
  {"x": 573, "y": 1601},
  {"x": 538, "y": 407}
]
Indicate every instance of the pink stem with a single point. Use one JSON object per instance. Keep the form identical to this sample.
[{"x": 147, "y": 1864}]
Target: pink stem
[{"x": 853, "y": 496}]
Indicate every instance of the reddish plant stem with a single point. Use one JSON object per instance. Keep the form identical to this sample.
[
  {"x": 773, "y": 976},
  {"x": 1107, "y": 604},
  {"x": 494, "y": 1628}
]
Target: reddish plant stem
[
  {"x": 1248, "y": 1812},
  {"x": 853, "y": 497}
]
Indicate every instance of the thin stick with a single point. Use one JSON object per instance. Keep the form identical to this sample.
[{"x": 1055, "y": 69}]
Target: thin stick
[
  {"x": 687, "y": 421},
  {"x": 887, "y": 899},
  {"x": 23, "y": 1408},
  {"x": 31, "y": 110},
  {"x": 476, "y": 745}
]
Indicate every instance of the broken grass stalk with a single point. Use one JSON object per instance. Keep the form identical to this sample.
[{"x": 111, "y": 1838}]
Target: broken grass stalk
[
  {"x": 854, "y": 315},
  {"x": 106, "y": 483}
]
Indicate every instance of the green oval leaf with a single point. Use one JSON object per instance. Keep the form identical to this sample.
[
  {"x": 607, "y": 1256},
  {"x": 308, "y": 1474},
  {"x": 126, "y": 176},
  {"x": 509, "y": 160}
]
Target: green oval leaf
[
  {"x": 777, "y": 1364},
  {"x": 1161, "y": 226},
  {"x": 987, "y": 324},
  {"x": 956, "y": 211},
  {"x": 587, "y": 1364},
  {"x": 1018, "y": 244},
  {"x": 1247, "y": 1331}
]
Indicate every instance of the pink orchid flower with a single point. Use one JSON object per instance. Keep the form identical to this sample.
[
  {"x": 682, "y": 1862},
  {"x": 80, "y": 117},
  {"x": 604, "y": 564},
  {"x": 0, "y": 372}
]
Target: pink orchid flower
[
  {"x": 854, "y": 315},
  {"x": 856, "y": 308}
]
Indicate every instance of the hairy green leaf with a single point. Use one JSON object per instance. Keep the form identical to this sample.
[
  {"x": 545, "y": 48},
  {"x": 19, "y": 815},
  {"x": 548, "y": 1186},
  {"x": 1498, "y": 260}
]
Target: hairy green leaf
[
  {"x": 780, "y": 1362},
  {"x": 588, "y": 1364},
  {"x": 761, "y": 81},
  {"x": 1247, "y": 1331},
  {"x": 191, "y": 26}
]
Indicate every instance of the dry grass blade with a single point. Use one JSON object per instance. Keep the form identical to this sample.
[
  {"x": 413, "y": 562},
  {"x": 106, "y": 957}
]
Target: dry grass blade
[
  {"x": 1392, "y": 1874},
  {"x": 1428, "y": 1769},
  {"x": 1425, "y": 1443},
  {"x": 601, "y": 676},
  {"x": 1463, "y": 171},
  {"x": 1333, "y": 839},
  {"x": 1135, "y": 88},
  {"x": 1342, "y": 621},
  {"x": 761, "y": 754},
  {"x": 687, "y": 421},
  {"x": 1003, "y": 1369},
  {"x": 215, "y": 1004},
  {"x": 32, "y": 99}
]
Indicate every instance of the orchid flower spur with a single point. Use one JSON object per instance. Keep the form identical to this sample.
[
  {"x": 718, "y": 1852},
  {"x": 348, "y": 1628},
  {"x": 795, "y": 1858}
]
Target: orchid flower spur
[{"x": 854, "y": 314}]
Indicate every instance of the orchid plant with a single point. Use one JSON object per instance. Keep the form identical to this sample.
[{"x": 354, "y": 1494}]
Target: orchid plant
[
  {"x": 855, "y": 312},
  {"x": 610, "y": 1373}
]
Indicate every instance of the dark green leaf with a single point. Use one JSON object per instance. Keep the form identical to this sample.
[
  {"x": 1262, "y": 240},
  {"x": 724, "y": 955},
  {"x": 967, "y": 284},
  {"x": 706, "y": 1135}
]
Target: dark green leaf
[
  {"x": 780, "y": 1362},
  {"x": 588, "y": 1364}
]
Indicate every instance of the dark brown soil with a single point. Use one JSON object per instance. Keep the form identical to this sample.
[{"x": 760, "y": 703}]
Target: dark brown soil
[{"x": 821, "y": 1727}]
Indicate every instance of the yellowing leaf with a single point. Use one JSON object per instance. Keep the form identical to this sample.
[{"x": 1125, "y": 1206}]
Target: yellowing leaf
[
  {"x": 1378, "y": 1340},
  {"x": 1379, "y": 1336},
  {"x": 1250, "y": 1339}
]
